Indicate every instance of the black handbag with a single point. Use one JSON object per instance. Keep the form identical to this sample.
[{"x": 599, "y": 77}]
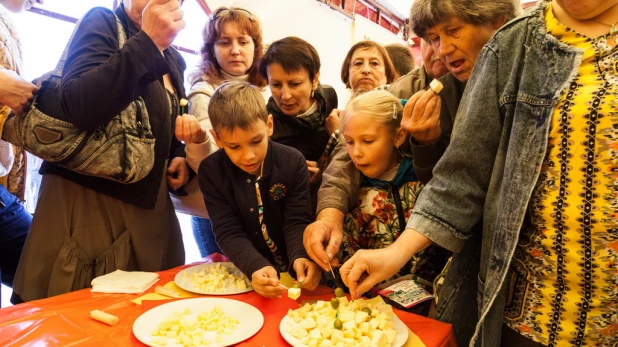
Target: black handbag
[{"x": 121, "y": 151}]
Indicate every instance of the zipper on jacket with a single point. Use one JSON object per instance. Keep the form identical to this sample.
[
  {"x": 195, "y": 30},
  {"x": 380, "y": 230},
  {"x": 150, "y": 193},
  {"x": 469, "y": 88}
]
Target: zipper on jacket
[{"x": 400, "y": 214}]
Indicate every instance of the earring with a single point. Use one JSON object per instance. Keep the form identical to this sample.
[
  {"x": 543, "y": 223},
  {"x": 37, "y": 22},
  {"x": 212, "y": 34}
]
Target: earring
[{"x": 312, "y": 92}]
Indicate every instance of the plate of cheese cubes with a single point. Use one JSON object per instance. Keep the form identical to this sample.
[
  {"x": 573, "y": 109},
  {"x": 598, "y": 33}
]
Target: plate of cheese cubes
[
  {"x": 213, "y": 279},
  {"x": 198, "y": 322},
  {"x": 339, "y": 323}
]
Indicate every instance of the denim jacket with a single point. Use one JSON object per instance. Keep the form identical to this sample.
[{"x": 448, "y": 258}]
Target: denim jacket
[{"x": 476, "y": 203}]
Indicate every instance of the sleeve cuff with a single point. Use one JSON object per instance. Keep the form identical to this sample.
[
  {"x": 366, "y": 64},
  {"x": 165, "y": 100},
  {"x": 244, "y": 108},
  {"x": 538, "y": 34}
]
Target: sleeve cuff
[
  {"x": 196, "y": 152},
  {"x": 150, "y": 55},
  {"x": 437, "y": 231},
  {"x": 336, "y": 201}
]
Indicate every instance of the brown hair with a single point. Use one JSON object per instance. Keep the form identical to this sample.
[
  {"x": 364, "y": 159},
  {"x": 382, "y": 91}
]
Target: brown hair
[
  {"x": 389, "y": 69},
  {"x": 293, "y": 54},
  {"x": 426, "y": 14},
  {"x": 401, "y": 57},
  {"x": 236, "y": 104},
  {"x": 248, "y": 23}
]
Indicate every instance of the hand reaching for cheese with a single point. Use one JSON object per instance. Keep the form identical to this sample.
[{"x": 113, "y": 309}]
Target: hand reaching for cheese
[
  {"x": 307, "y": 273},
  {"x": 266, "y": 283}
]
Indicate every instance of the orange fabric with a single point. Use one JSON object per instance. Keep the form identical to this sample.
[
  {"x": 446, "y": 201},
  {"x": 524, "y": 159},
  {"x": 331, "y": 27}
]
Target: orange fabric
[{"x": 64, "y": 320}]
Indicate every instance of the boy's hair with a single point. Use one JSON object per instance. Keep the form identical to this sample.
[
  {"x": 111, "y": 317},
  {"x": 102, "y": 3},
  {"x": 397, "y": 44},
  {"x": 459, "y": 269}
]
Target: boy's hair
[
  {"x": 382, "y": 106},
  {"x": 236, "y": 105}
]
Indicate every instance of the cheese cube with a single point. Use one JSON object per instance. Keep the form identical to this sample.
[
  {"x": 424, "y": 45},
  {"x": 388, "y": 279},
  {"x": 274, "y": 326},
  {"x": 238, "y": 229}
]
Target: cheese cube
[
  {"x": 379, "y": 339},
  {"x": 337, "y": 336},
  {"x": 391, "y": 334},
  {"x": 294, "y": 293},
  {"x": 315, "y": 334},
  {"x": 436, "y": 86},
  {"x": 361, "y": 316}
]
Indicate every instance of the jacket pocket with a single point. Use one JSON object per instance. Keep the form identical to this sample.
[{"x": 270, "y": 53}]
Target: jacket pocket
[{"x": 74, "y": 268}]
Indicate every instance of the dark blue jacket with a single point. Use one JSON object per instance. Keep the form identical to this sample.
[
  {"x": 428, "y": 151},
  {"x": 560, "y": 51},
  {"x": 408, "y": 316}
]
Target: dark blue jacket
[{"x": 229, "y": 193}]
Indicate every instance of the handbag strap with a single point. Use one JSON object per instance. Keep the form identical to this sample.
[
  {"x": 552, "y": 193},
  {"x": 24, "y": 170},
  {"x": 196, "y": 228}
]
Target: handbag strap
[{"x": 122, "y": 38}]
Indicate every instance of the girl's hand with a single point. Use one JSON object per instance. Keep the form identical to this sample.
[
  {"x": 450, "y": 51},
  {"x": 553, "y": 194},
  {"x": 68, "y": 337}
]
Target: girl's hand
[
  {"x": 266, "y": 283},
  {"x": 188, "y": 130},
  {"x": 307, "y": 273}
]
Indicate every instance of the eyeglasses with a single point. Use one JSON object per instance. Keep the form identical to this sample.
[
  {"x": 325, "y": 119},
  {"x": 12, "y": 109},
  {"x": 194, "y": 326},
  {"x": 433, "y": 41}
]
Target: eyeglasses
[{"x": 222, "y": 12}]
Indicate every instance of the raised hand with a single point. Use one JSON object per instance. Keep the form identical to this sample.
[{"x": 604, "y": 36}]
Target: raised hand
[
  {"x": 162, "y": 20},
  {"x": 188, "y": 130},
  {"x": 421, "y": 117}
]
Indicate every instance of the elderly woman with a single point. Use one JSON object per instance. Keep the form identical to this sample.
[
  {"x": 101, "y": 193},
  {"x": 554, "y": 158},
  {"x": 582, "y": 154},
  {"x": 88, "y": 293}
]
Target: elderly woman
[
  {"x": 231, "y": 51},
  {"x": 299, "y": 104},
  {"x": 366, "y": 66},
  {"x": 86, "y": 226},
  {"x": 532, "y": 160},
  {"x": 428, "y": 118}
]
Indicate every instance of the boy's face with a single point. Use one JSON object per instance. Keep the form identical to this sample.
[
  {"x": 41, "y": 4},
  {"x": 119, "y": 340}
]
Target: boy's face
[{"x": 246, "y": 148}]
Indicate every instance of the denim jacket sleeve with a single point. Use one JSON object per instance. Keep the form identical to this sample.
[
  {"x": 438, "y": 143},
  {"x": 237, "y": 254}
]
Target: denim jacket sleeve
[{"x": 452, "y": 203}]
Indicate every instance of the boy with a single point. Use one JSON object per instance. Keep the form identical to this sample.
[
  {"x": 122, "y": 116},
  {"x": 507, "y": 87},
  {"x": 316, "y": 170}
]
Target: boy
[{"x": 256, "y": 192}]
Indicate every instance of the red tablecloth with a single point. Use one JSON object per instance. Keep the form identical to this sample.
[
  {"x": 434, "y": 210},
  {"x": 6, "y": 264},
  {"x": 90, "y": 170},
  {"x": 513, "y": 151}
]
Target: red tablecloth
[{"x": 64, "y": 320}]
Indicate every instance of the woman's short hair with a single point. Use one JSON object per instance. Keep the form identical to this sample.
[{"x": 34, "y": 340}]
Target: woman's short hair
[
  {"x": 426, "y": 14},
  {"x": 247, "y": 23},
  {"x": 235, "y": 105},
  {"x": 389, "y": 69},
  {"x": 293, "y": 54},
  {"x": 380, "y": 105}
]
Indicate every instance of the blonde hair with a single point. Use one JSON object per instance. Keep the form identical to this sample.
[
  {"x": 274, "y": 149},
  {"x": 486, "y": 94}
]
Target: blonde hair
[{"x": 380, "y": 105}]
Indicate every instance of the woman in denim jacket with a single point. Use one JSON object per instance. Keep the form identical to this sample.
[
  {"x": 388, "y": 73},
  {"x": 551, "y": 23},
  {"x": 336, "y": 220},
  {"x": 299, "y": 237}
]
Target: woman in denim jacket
[{"x": 532, "y": 163}]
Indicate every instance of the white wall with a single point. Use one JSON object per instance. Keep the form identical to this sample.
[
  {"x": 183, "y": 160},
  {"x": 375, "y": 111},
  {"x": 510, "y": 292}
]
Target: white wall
[{"x": 329, "y": 31}]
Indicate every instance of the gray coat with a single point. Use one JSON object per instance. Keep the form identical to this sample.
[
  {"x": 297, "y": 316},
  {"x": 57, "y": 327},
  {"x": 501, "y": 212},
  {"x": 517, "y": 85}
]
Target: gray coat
[{"x": 477, "y": 200}]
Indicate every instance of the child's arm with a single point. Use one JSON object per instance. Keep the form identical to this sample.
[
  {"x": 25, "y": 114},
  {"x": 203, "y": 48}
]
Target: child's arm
[{"x": 228, "y": 228}]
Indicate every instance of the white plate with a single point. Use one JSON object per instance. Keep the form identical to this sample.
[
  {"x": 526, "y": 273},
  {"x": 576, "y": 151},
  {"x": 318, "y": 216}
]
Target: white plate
[
  {"x": 250, "y": 319},
  {"x": 400, "y": 339},
  {"x": 185, "y": 282}
]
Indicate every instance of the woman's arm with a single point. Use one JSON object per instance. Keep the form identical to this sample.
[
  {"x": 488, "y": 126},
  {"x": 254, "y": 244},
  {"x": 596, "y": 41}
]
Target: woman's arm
[{"x": 99, "y": 81}]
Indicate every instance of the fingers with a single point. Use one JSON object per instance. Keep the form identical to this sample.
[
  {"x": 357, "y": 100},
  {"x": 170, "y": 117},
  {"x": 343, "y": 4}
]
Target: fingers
[
  {"x": 300, "y": 265},
  {"x": 266, "y": 282},
  {"x": 409, "y": 107},
  {"x": 312, "y": 164},
  {"x": 333, "y": 247},
  {"x": 312, "y": 279},
  {"x": 173, "y": 167},
  {"x": 315, "y": 234},
  {"x": 178, "y": 129},
  {"x": 351, "y": 273}
]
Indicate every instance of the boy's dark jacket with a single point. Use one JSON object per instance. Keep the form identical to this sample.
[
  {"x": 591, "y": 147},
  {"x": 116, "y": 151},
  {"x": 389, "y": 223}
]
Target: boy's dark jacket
[{"x": 230, "y": 198}]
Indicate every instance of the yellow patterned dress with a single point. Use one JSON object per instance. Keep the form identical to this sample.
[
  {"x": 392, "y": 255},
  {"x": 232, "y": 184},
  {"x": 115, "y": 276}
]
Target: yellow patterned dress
[{"x": 563, "y": 284}]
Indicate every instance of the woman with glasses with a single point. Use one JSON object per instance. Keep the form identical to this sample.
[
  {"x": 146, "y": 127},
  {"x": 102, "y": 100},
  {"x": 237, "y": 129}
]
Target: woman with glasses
[
  {"x": 232, "y": 47},
  {"x": 300, "y": 105}
]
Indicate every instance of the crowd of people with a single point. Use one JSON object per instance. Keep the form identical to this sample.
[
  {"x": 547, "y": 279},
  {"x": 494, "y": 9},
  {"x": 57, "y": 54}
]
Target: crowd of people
[{"x": 498, "y": 192}]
